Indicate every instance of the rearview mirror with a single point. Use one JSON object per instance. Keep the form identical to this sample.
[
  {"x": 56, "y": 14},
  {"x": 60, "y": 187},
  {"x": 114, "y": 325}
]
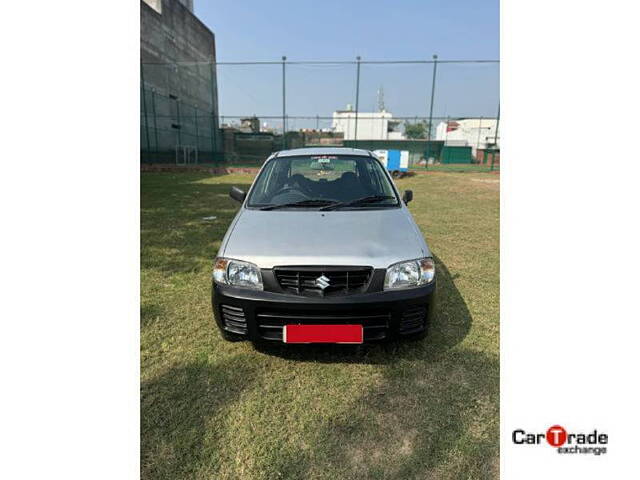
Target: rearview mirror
[
  {"x": 237, "y": 194},
  {"x": 408, "y": 196}
]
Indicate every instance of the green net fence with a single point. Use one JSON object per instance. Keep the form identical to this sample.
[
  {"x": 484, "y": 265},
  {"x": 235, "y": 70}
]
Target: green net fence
[{"x": 236, "y": 112}]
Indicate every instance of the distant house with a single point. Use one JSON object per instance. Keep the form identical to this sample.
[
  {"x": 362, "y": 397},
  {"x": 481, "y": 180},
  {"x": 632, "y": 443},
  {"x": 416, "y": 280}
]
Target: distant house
[
  {"x": 371, "y": 126},
  {"x": 250, "y": 124},
  {"x": 477, "y": 133}
]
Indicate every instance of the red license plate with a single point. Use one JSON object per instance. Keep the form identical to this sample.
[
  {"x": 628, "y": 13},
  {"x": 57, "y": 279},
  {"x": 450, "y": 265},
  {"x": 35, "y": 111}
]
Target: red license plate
[{"x": 322, "y": 334}]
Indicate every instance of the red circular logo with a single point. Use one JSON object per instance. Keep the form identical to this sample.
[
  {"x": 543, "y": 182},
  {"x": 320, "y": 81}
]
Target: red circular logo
[{"x": 556, "y": 436}]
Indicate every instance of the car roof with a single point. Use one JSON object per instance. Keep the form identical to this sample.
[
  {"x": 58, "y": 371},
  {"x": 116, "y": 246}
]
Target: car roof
[{"x": 323, "y": 151}]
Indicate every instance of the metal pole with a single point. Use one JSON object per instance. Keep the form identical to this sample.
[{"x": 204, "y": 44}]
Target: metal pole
[
  {"x": 144, "y": 106},
  {"x": 195, "y": 117},
  {"x": 213, "y": 136},
  {"x": 478, "y": 140},
  {"x": 433, "y": 90},
  {"x": 179, "y": 122},
  {"x": 155, "y": 118},
  {"x": 355, "y": 135},
  {"x": 284, "y": 106},
  {"x": 495, "y": 138}
]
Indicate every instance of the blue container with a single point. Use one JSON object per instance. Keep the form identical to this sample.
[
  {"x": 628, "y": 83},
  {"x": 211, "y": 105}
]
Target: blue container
[{"x": 394, "y": 160}]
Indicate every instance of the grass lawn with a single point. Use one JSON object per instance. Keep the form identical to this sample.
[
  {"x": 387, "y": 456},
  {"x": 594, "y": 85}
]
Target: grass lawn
[{"x": 217, "y": 410}]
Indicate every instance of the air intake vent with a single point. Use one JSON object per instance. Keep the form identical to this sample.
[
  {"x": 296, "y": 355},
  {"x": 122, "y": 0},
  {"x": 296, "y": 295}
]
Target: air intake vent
[
  {"x": 413, "y": 320},
  {"x": 323, "y": 281},
  {"x": 233, "y": 319},
  {"x": 375, "y": 324}
]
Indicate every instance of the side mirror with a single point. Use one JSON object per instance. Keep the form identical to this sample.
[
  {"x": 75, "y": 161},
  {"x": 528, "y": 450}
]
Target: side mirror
[
  {"x": 408, "y": 196},
  {"x": 237, "y": 194}
]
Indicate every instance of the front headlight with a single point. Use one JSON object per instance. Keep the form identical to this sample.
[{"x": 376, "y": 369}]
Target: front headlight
[
  {"x": 412, "y": 273},
  {"x": 237, "y": 273}
]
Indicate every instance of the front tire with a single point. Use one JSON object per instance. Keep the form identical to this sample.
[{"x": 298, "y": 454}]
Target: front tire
[{"x": 415, "y": 337}]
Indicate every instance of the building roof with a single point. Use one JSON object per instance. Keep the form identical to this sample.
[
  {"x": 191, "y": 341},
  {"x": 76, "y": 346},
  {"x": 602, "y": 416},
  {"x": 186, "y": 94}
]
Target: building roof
[
  {"x": 384, "y": 114},
  {"x": 323, "y": 151}
]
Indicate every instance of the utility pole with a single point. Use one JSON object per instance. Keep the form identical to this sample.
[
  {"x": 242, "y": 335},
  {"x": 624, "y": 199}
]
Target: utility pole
[
  {"x": 381, "y": 107},
  {"x": 355, "y": 135},
  {"x": 433, "y": 90},
  {"x": 284, "y": 110}
]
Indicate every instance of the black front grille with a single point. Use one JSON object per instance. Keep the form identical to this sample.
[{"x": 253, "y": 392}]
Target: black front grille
[
  {"x": 234, "y": 319},
  {"x": 413, "y": 320},
  {"x": 308, "y": 281},
  {"x": 270, "y": 323}
]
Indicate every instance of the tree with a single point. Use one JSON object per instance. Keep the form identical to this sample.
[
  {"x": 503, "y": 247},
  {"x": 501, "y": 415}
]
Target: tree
[{"x": 415, "y": 130}]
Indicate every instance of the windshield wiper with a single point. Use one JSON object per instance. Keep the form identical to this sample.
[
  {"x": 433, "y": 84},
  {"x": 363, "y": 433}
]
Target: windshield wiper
[
  {"x": 311, "y": 202},
  {"x": 359, "y": 201}
]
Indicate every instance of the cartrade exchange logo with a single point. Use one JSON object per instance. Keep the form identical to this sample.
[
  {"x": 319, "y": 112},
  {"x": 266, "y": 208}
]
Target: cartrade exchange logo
[{"x": 593, "y": 442}]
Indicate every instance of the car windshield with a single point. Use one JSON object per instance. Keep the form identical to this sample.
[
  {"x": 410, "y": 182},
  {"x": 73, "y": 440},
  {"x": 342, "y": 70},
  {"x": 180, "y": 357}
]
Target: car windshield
[{"x": 316, "y": 181}]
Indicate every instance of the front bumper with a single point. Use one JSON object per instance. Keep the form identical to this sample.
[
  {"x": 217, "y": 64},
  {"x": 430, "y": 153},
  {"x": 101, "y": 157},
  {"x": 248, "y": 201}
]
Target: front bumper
[{"x": 258, "y": 315}]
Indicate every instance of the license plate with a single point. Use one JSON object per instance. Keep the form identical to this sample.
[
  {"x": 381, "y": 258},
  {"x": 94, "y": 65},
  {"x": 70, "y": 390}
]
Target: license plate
[{"x": 322, "y": 334}]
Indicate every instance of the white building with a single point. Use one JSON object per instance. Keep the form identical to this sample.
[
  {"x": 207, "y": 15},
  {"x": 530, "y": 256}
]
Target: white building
[
  {"x": 472, "y": 132},
  {"x": 371, "y": 126}
]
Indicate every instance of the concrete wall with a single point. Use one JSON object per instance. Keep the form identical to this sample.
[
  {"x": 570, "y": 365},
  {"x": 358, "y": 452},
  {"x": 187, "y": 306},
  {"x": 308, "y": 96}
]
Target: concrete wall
[
  {"x": 180, "y": 88},
  {"x": 248, "y": 148},
  {"x": 188, "y": 4},
  {"x": 486, "y": 158}
]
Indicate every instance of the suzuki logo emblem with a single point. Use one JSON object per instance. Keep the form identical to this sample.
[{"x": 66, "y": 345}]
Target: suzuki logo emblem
[{"x": 322, "y": 282}]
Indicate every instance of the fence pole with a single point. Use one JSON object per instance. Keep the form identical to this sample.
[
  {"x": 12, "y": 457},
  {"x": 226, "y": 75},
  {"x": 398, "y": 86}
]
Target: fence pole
[
  {"x": 355, "y": 135},
  {"x": 446, "y": 133},
  {"x": 495, "y": 139},
  {"x": 195, "y": 118},
  {"x": 213, "y": 137},
  {"x": 433, "y": 90},
  {"x": 179, "y": 122},
  {"x": 144, "y": 106},
  {"x": 478, "y": 140},
  {"x": 284, "y": 105},
  {"x": 155, "y": 118}
]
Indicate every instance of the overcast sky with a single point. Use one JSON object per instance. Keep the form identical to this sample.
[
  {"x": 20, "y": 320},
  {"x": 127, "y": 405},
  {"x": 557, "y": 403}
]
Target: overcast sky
[{"x": 340, "y": 30}]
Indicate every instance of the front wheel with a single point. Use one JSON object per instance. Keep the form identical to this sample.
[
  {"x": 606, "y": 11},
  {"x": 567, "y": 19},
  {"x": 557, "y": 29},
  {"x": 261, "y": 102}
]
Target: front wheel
[{"x": 415, "y": 337}]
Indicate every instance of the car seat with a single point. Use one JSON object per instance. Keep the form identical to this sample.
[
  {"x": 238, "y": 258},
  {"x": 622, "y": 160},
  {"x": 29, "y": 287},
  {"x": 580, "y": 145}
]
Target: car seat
[{"x": 350, "y": 186}]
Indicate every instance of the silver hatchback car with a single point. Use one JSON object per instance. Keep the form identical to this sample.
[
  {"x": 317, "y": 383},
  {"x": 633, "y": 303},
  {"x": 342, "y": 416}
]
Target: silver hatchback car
[{"x": 323, "y": 250}]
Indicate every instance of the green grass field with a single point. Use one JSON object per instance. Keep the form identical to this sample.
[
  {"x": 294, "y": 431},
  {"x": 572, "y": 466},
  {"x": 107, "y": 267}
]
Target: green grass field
[
  {"x": 217, "y": 410},
  {"x": 458, "y": 168}
]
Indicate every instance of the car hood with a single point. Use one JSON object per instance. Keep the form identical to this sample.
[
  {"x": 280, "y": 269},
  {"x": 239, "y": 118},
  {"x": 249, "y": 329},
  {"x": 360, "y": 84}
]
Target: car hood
[{"x": 376, "y": 238}]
